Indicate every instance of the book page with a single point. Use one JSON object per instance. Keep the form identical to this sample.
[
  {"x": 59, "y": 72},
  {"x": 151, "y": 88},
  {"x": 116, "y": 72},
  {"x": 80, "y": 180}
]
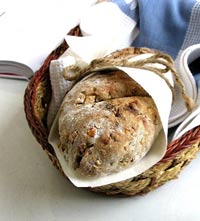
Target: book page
[{"x": 30, "y": 30}]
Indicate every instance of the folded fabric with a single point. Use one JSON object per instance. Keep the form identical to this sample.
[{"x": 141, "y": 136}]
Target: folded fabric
[
  {"x": 171, "y": 27},
  {"x": 59, "y": 84}
]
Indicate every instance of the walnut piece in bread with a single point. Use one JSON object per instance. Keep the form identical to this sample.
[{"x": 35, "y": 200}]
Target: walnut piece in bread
[{"x": 107, "y": 123}]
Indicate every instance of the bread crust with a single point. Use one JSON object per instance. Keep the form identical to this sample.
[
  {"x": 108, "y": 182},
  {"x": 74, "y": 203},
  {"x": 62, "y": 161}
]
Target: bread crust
[{"x": 107, "y": 123}]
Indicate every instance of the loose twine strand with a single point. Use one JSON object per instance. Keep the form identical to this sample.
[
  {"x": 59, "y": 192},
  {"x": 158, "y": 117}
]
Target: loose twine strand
[{"x": 122, "y": 58}]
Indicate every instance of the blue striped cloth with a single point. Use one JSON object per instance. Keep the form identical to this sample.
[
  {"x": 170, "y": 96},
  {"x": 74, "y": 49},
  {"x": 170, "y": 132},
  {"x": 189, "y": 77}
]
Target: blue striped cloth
[{"x": 167, "y": 25}]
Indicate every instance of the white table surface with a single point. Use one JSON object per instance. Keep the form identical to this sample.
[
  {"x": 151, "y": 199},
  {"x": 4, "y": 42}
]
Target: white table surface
[{"x": 32, "y": 189}]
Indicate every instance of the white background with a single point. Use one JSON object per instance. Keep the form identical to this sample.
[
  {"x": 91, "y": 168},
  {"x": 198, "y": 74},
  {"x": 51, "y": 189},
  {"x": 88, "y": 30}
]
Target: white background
[{"x": 32, "y": 189}]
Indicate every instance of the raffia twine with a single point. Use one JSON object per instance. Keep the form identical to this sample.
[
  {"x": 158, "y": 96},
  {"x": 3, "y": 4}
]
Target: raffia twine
[{"x": 122, "y": 58}]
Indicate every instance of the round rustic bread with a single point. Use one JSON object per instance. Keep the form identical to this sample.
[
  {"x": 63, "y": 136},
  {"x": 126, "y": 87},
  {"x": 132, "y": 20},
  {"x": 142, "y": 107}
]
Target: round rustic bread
[{"x": 107, "y": 122}]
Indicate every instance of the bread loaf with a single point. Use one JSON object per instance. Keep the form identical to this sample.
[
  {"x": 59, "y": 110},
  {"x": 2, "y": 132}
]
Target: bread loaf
[{"x": 107, "y": 122}]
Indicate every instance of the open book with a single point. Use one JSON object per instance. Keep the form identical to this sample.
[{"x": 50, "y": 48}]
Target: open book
[
  {"x": 16, "y": 70},
  {"x": 30, "y": 30}
]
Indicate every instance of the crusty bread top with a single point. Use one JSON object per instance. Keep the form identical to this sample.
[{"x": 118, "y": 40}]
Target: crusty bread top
[{"x": 107, "y": 122}]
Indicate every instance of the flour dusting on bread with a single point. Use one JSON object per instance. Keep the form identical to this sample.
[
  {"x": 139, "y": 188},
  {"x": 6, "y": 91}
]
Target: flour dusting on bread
[{"x": 107, "y": 123}]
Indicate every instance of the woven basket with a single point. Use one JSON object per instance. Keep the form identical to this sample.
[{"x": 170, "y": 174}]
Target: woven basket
[{"x": 179, "y": 152}]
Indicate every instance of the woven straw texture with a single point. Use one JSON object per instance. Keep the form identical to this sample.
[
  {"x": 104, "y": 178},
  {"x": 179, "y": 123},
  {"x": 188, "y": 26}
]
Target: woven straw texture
[{"x": 179, "y": 152}]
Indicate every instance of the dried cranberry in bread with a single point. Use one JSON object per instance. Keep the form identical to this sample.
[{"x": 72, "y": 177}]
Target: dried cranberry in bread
[{"x": 107, "y": 123}]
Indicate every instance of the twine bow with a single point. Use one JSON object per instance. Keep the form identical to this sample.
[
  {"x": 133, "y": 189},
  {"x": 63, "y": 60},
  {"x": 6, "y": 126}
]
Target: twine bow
[{"x": 123, "y": 58}]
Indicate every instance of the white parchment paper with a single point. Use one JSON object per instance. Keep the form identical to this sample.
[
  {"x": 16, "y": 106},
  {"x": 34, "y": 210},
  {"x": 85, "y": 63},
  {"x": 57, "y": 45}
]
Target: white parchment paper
[{"x": 160, "y": 93}]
